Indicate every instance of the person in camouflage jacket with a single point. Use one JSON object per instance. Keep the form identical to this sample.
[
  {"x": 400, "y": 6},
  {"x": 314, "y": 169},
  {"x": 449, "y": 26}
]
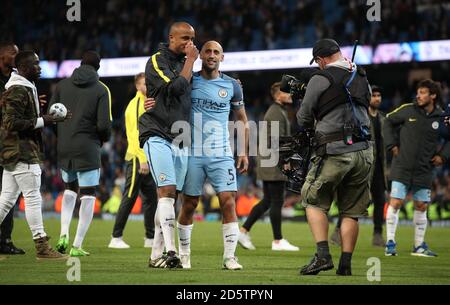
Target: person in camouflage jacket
[
  {"x": 21, "y": 151},
  {"x": 21, "y": 141}
]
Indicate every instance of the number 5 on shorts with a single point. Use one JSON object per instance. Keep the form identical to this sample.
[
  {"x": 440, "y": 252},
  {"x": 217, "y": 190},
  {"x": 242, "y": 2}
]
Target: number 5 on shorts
[{"x": 231, "y": 173}]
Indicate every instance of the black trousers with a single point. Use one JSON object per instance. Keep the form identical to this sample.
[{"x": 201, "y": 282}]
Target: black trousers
[
  {"x": 8, "y": 223},
  {"x": 135, "y": 183},
  {"x": 273, "y": 200},
  {"x": 377, "y": 189}
]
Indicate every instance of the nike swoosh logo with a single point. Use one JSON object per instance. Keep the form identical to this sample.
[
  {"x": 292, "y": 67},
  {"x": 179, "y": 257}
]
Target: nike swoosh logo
[
  {"x": 226, "y": 236},
  {"x": 167, "y": 219},
  {"x": 412, "y": 120},
  {"x": 230, "y": 183}
]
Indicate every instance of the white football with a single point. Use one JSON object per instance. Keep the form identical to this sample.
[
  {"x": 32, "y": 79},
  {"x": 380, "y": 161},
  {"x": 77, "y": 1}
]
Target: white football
[{"x": 58, "y": 110}]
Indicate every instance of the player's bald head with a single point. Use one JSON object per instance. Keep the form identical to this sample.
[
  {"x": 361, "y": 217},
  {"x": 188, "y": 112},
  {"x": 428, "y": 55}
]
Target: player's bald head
[
  {"x": 181, "y": 26},
  {"x": 180, "y": 34},
  {"x": 213, "y": 45},
  {"x": 211, "y": 56}
]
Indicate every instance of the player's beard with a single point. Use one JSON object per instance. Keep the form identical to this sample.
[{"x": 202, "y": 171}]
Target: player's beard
[
  {"x": 375, "y": 106},
  {"x": 423, "y": 104},
  {"x": 209, "y": 69}
]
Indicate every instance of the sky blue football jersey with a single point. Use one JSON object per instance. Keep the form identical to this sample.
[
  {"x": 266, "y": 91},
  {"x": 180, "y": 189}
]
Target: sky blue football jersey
[{"x": 211, "y": 104}]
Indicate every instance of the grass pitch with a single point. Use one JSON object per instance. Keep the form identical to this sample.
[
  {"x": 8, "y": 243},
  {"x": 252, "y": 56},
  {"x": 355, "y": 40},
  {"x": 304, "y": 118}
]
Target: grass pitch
[{"x": 262, "y": 266}]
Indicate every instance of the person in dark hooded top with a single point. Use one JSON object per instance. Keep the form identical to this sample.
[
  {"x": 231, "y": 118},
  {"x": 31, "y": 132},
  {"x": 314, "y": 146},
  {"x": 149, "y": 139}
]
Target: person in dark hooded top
[{"x": 79, "y": 144}]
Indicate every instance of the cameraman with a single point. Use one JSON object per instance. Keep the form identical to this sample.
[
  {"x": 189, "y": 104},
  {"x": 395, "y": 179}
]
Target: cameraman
[
  {"x": 378, "y": 184},
  {"x": 335, "y": 105}
]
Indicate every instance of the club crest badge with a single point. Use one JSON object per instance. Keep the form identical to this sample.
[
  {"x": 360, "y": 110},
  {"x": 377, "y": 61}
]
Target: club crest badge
[{"x": 223, "y": 93}]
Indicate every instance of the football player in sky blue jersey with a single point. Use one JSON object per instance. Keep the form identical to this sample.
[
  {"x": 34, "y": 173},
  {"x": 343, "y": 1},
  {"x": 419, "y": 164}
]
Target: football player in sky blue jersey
[{"x": 213, "y": 95}]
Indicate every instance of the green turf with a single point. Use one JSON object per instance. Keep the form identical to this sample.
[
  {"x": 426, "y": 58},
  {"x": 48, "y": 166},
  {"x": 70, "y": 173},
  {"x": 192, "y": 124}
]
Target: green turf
[{"x": 263, "y": 266}]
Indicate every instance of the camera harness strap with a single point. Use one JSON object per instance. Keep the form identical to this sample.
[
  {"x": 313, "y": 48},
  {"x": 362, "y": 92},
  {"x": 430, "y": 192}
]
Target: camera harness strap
[{"x": 348, "y": 126}]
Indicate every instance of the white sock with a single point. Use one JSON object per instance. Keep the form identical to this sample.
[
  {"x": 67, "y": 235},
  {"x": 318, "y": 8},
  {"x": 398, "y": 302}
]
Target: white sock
[
  {"x": 68, "y": 204},
  {"x": 85, "y": 218},
  {"x": 167, "y": 220},
  {"x": 420, "y": 225},
  {"x": 158, "y": 239},
  {"x": 230, "y": 238},
  {"x": 391, "y": 223},
  {"x": 184, "y": 238}
]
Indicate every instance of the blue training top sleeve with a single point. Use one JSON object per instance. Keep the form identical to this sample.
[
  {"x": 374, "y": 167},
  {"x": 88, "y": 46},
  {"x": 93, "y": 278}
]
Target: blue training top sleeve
[{"x": 237, "y": 101}]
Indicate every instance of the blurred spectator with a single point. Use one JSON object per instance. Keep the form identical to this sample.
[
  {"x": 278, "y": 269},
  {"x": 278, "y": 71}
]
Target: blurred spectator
[{"x": 246, "y": 201}]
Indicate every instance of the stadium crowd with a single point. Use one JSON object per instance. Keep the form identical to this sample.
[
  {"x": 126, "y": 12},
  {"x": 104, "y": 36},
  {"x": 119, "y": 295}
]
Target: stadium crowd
[{"x": 241, "y": 25}]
